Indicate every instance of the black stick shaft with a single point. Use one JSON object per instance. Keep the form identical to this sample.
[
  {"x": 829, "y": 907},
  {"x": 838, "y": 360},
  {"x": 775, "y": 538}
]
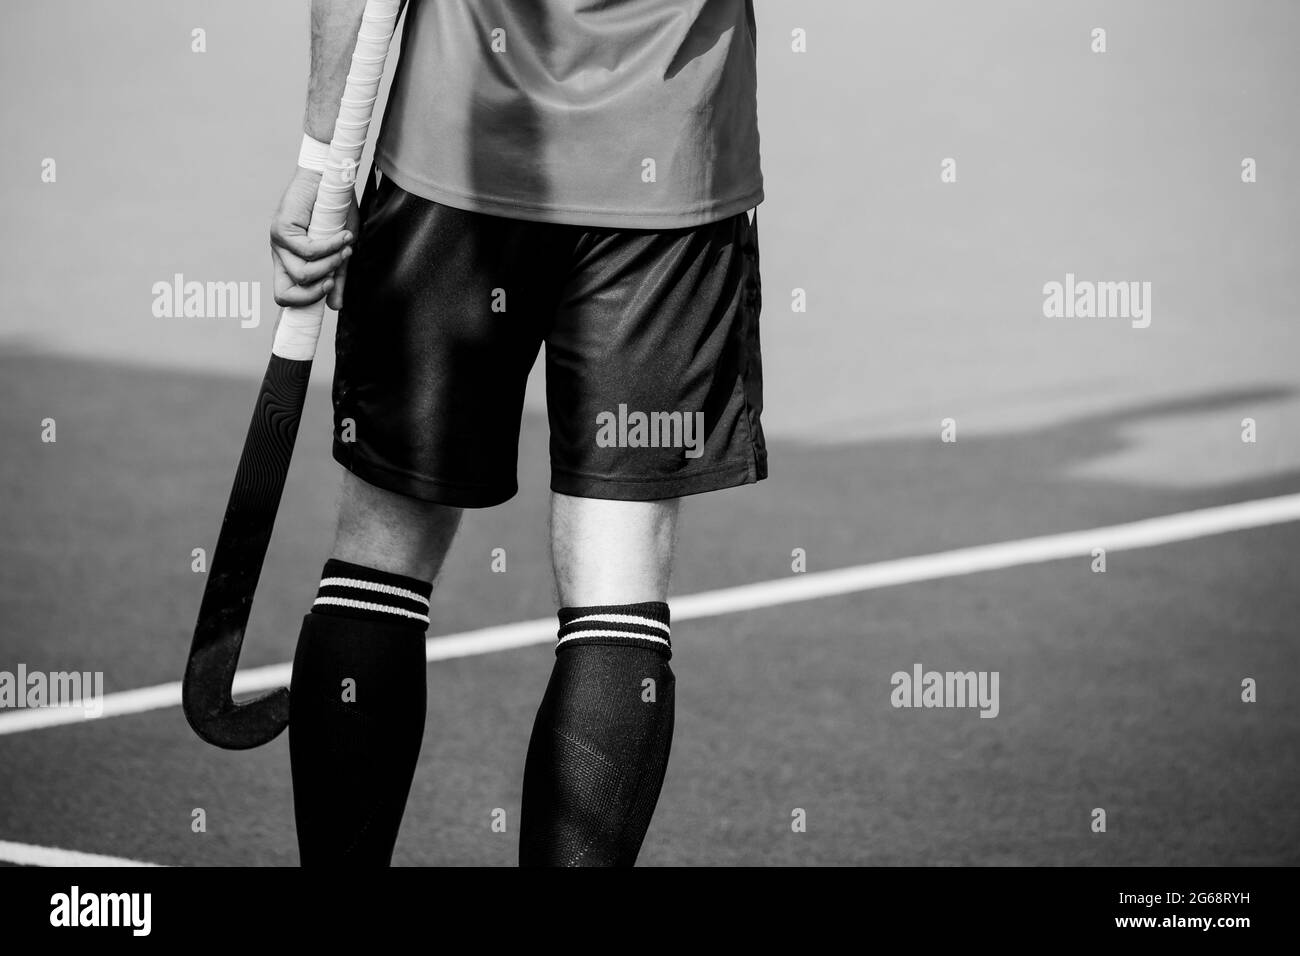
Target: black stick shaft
[{"x": 237, "y": 566}]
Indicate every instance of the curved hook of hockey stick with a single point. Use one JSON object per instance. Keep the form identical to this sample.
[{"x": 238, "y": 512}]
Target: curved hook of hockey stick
[
  {"x": 212, "y": 712},
  {"x": 237, "y": 566}
]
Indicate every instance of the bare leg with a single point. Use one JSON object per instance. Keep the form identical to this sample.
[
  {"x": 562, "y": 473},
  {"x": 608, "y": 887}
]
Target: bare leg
[
  {"x": 612, "y": 552},
  {"x": 391, "y": 532}
]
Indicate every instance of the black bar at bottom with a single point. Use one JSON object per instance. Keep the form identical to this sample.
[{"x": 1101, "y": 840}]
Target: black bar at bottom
[{"x": 255, "y": 908}]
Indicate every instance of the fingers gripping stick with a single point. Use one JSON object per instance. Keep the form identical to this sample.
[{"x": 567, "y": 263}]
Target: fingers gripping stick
[
  {"x": 268, "y": 448},
  {"x": 299, "y": 328}
]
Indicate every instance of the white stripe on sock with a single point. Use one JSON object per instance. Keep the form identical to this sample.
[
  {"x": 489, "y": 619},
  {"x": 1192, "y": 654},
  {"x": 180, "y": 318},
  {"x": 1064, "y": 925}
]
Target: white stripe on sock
[
  {"x": 623, "y": 619},
  {"x": 368, "y": 606},
  {"x": 636, "y": 637},
  {"x": 372, "y": 586}
]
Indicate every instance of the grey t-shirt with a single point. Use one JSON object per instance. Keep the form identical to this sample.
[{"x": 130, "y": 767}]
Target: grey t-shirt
[{"x": 637, "y": 114}]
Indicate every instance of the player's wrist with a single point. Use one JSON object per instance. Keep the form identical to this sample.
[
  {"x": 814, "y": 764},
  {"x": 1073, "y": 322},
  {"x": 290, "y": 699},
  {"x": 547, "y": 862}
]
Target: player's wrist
[{"x": 313, "y": 154}]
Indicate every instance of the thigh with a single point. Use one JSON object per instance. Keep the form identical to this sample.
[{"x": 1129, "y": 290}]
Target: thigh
[
  {"x": 444, "y": 311},
  {"x": 653, "y": 368}
]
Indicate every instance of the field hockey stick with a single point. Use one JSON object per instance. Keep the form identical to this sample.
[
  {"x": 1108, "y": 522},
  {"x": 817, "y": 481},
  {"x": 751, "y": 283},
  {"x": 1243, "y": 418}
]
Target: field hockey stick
[{"x": 263, "y": 466}]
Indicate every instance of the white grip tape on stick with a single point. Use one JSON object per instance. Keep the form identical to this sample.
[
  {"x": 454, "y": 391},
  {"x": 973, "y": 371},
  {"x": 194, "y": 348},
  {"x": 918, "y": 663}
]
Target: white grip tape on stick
[{"x": 299, "y": 329}]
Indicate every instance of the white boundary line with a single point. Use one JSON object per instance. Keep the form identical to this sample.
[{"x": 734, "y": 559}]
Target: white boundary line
[
  {"x": 1147, "y": 533},
  {"x": 1138, "y": 534},
  {"x": 25, "y": 854}
]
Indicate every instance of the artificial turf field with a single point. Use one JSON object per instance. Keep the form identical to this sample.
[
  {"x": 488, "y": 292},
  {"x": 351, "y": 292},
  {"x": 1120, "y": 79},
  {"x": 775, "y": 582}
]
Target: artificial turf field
[
  {"x": 1118, "y": 690},
  {"x": 924, "y": 301}
]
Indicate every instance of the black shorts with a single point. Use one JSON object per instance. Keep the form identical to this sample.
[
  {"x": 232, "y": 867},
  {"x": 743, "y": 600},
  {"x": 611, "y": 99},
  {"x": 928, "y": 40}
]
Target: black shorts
[{"x": 653, "y": 375}]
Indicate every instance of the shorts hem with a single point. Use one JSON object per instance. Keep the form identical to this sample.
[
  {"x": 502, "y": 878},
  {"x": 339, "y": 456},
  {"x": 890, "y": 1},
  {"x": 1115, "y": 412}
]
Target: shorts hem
[
  {"x": 451, "y": 494},
  {"x": 732, "y": 475}
]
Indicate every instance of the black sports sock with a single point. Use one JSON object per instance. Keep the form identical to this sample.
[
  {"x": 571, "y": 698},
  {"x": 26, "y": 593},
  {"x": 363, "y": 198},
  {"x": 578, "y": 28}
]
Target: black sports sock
[
  {"x": 599, "y": 748},
  {"x": 354, "y": 746}
]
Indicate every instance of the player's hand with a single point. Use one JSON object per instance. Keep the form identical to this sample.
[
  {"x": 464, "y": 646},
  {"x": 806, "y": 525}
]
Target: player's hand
[{"x": 307, "y": 270}]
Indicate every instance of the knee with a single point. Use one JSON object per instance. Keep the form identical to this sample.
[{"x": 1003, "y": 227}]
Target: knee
[
  {"x": 393, "y": 532},
  {"x": 612, "y": 552}
]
